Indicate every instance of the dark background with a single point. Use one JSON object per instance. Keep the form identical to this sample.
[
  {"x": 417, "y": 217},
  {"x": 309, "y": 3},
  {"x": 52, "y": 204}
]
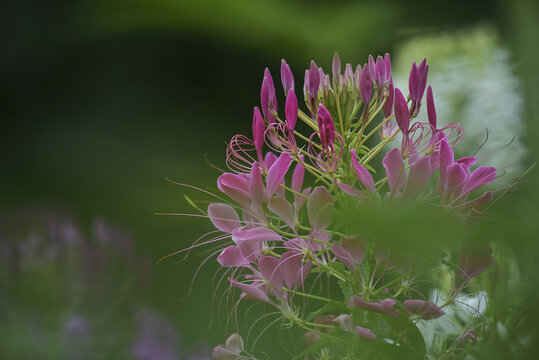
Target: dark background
[{"x": 101, "y": 100}]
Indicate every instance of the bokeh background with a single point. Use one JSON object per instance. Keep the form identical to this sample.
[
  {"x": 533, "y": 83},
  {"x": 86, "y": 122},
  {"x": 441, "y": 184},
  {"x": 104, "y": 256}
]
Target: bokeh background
[{"x": 101, "y": 100}]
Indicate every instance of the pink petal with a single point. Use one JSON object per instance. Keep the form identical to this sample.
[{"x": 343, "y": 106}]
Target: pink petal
[
  {"x": 356, "y": 247},
  {"x": 231, "y": 256},
  {"x": 396, "y": 174},
  {"x": 235, "y": 186},
  {"x": 251, "y": 291},
  {"x": 269, "y": 268},
  {"x": 221, "y": 352},
  {"x": 456, "y": 177},
  {"x": 446, "y": 158},
  {"x": 481, "y": 176},
  {"x": 304, "y": 272},
  {"x": 270, "y": 159},
  {"x": 276, "y": 174},
  {"x": 320, "y": 208},
  {"x": 290, "y": 264},
  {"x": 257, "y": 233},
  {"x": 419, "y": 177},
  {"x": 299, "y": 201},
  {"x": 283, "y": 209},
  {"x": 350, "y": 190},
  {"x": 224, "y": 217},
  {"x": 467, "y": 161},
  {"x": 256, "y": 186},
  {"x": 478, "y": 202},
  {"x": 297, "y": 177},
  {"x": 343, "y": 256},
  {"x": 363, "y": 174}
]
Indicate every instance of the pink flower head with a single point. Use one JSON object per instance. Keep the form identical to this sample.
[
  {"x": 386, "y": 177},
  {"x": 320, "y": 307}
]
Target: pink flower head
[
  {"x": 380, "y": 71},
  {"x": 287, "y": 78}
]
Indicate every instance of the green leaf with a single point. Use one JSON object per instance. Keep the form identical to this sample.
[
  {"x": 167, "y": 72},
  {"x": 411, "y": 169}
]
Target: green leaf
[{"x": 347, "y": 288}]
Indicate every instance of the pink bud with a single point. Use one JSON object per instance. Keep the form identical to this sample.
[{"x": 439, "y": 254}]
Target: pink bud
[
  {"x": 258, "y": 130},
  {"x": 387, "y": 63},
  {"x": 348, "y": 75},
  {"x": 365, "y": 85},
  {"x": 287, "y": 78},
  {"x": 314, "y": 81},
  {"x": 326, "y": 126},
  {"x": 431, "y": 110},
  {"x": 268, "y": 100},
  {"x": 291, "y": 110},
  {"x": 388, "y": 106},
  {"x": 336, "y": 70},
  {"x": 365, "y": 333},
  {"x": 402, "y": 114}
]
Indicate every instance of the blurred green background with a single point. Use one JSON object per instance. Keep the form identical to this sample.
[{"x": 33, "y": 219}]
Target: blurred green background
[{"x": 101, "y": 100}]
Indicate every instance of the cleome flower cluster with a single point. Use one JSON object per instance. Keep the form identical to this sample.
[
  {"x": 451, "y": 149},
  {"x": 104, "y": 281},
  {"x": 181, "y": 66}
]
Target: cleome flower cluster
[{"x": 286, "y": 182}]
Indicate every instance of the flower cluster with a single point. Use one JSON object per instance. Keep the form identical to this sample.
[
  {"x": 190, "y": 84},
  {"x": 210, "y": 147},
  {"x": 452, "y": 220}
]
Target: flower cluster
[{"x": 280, "y": 223}]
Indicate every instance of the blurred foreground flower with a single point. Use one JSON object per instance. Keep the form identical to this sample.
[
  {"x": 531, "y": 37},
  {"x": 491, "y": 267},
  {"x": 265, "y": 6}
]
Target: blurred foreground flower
[{"x": 72, "y": 296}]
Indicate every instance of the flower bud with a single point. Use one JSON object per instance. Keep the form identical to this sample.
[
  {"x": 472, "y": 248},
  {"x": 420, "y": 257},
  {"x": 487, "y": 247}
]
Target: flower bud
[
  {"x": 287, "y": 79},
  {"x": 431, "y": 110},
  {"x": 314, "y": 81},
  {"x": 326, "y": 127},
  {"x": 365, "y": 85},
  {"x": 268, "y": 100},
  {"x": 291, "y": 110},
  {"x": 336, "y": 70},
  {"x": 258, "y": 130},
  {"x": 402, "y": 114},
  {"x": 365, "y": 333}
]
